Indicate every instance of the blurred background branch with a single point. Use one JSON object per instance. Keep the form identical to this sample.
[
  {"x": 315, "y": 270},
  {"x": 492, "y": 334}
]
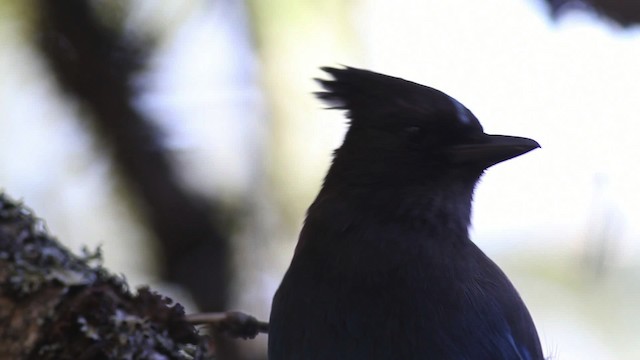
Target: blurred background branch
[
  {"x": 622, "y": 12},
  {"x": 96, "y": 63}
]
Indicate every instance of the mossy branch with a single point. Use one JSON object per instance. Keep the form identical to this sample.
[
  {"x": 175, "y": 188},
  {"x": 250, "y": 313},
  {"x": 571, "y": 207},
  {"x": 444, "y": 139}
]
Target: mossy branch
[{"x": 56, "y": 305}]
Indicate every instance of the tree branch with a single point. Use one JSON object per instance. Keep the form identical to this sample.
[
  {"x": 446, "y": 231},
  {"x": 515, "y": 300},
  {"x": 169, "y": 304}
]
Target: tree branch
[{"x": 55, "y": 305}]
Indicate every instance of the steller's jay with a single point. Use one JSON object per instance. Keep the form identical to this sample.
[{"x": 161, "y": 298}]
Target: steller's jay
[{"x": 384, "y": 267}]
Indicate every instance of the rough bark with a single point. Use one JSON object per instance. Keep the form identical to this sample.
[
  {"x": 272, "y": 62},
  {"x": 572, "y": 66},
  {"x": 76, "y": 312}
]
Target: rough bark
[{"x": 55, "y": 305}]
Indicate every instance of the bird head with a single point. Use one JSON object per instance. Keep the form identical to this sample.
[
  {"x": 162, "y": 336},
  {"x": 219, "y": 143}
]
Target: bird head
[{"x": 403, "y": 131}]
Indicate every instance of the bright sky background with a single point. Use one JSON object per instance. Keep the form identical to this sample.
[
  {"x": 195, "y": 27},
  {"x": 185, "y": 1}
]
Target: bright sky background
[{"x": 572, "y": 85}]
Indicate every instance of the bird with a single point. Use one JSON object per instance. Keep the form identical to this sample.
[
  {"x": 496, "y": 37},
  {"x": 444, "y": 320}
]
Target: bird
[{"x": 384, "y": 267}]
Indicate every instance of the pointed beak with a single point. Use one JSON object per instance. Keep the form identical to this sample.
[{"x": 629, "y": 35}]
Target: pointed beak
[{"x": 490, "y": 150}]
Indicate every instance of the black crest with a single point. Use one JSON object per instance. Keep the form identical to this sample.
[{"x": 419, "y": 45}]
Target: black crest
[{"x": 371, "y": 97}]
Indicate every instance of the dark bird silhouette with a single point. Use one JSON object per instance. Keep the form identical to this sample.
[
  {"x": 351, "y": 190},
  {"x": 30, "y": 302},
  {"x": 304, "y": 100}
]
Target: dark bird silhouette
[{"x": 384, "y": 267}]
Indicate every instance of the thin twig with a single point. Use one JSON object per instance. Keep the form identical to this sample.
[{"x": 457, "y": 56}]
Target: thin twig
[{"x": 232, "y": 323}]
